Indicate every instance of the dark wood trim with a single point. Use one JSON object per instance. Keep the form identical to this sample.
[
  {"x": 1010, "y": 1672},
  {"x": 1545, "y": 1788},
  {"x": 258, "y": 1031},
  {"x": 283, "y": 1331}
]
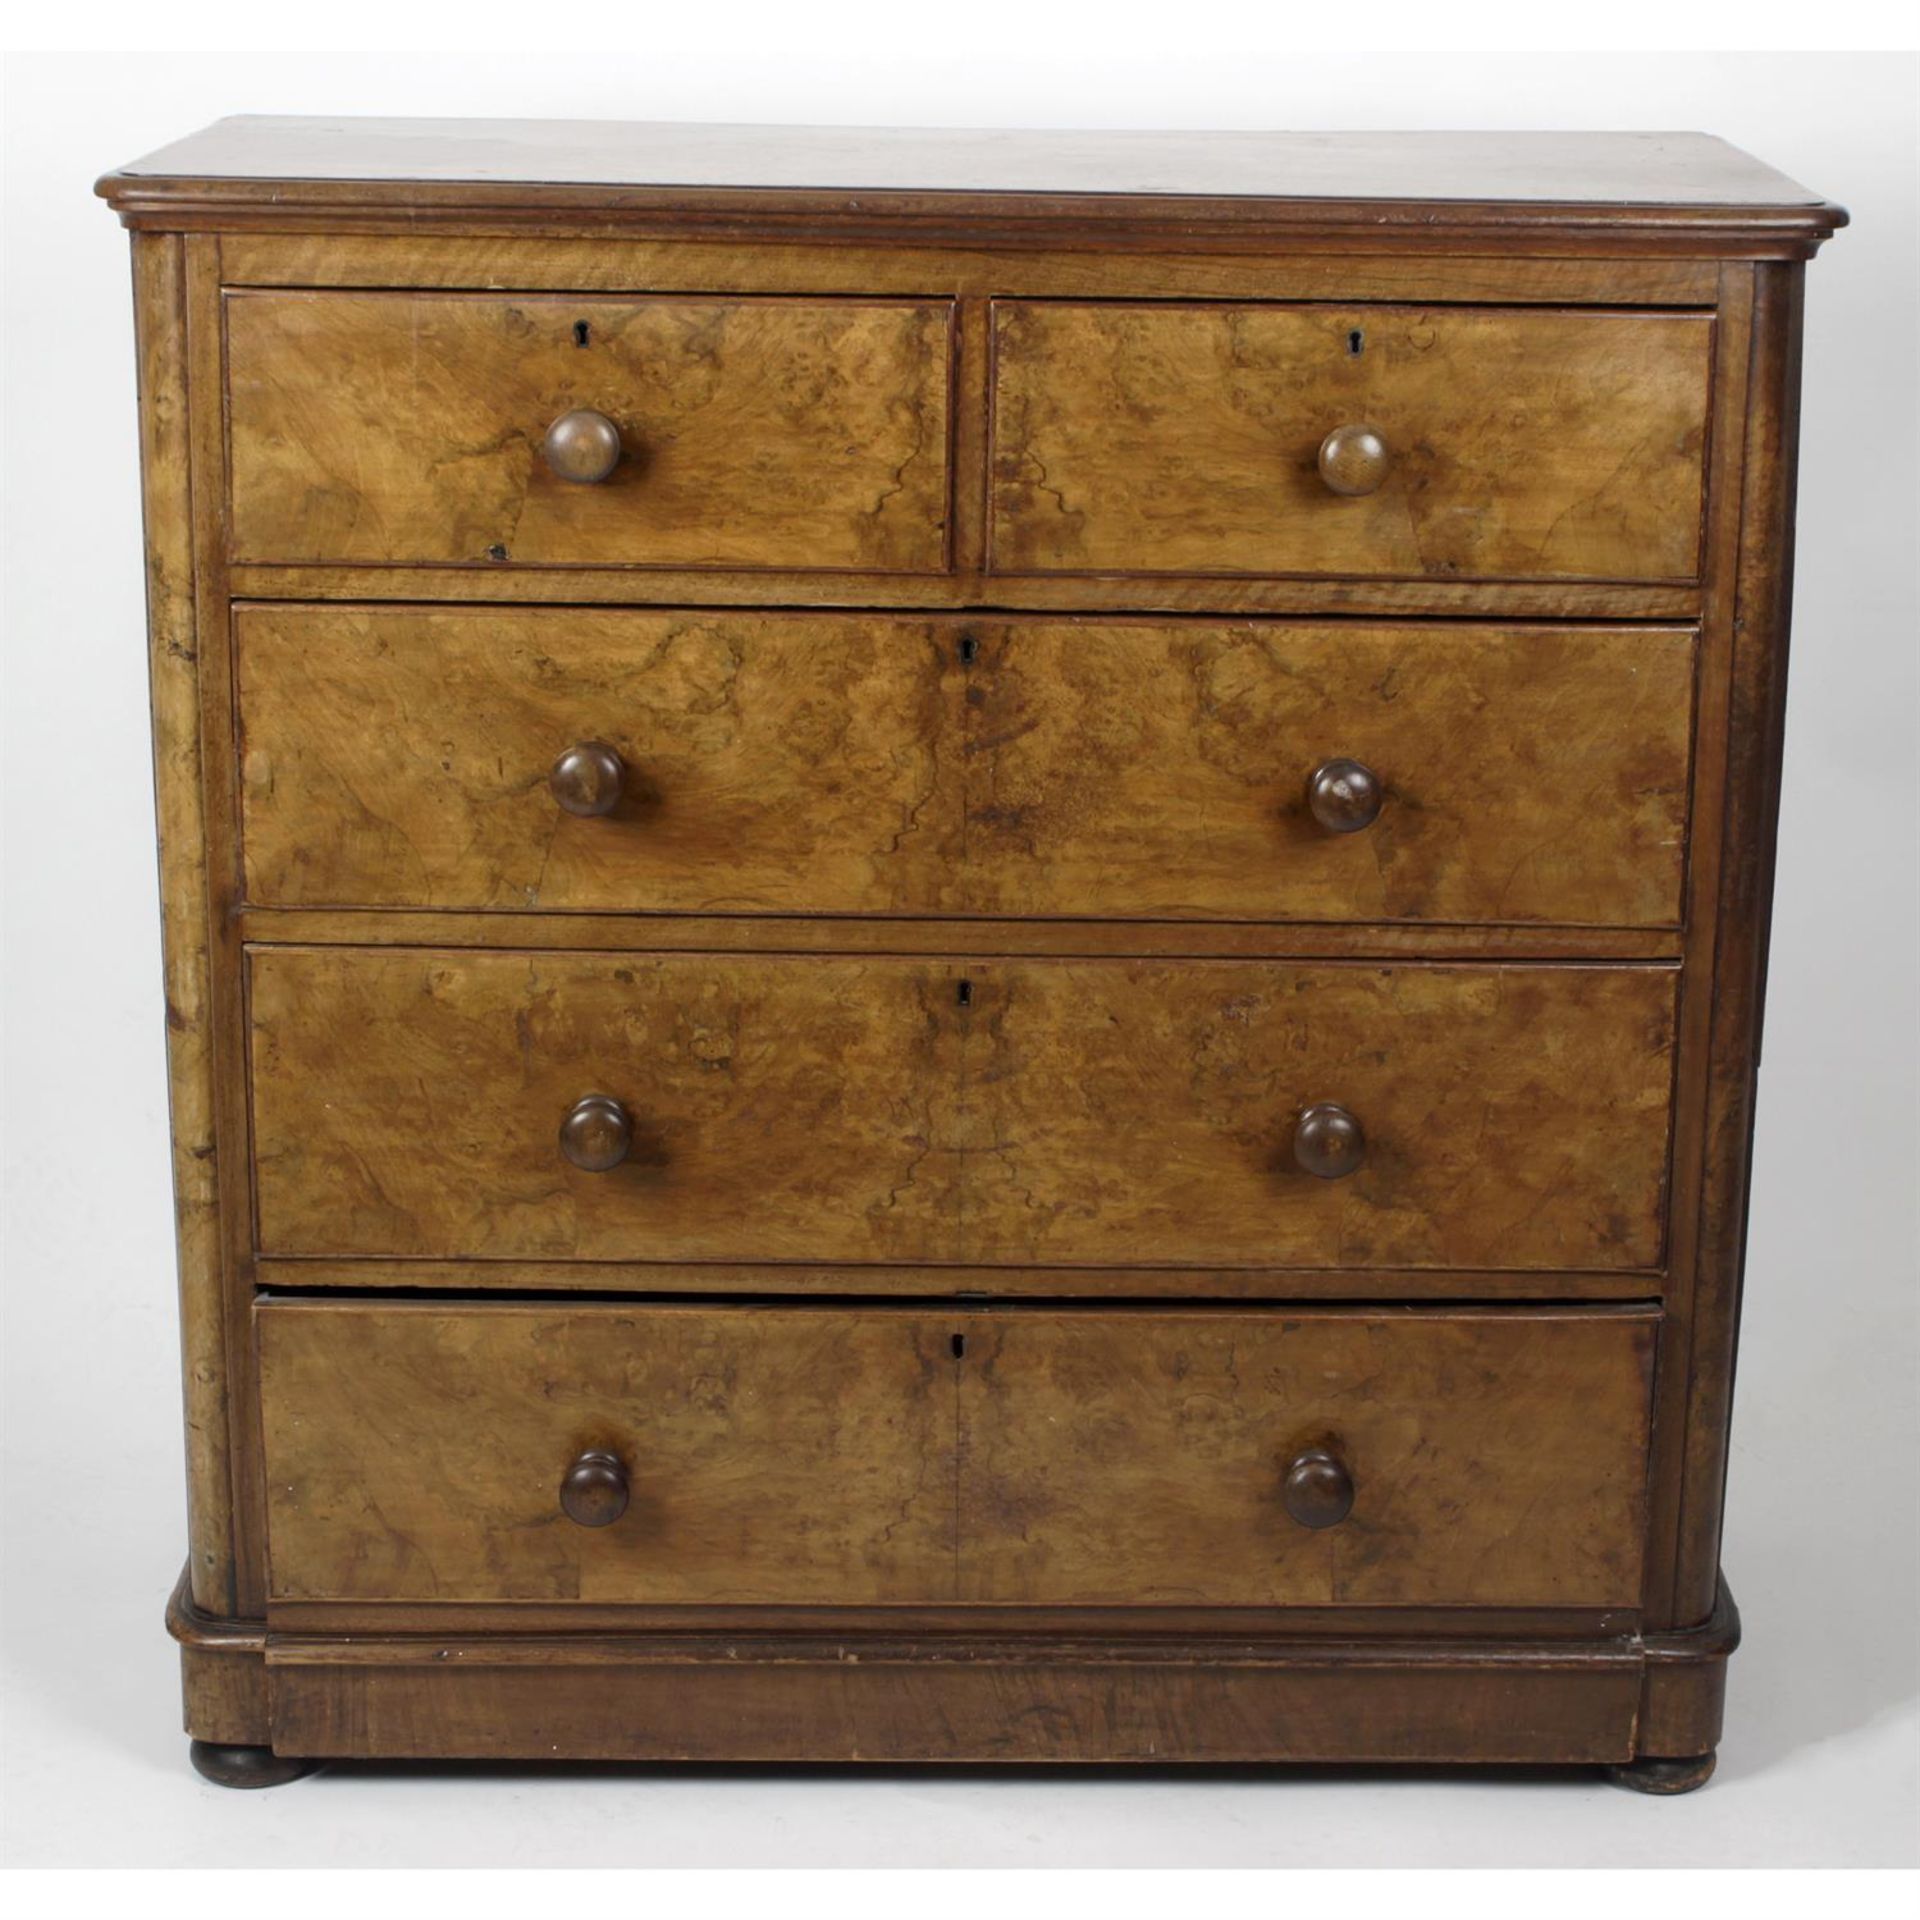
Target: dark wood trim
[
  {"x": 326, "y": 1619},
  {"x": 206, "y": 414},
  {"x": 1111, "y": 223},
  {"x": 1744, "y": 906},
  {"x": 551, "y": 262},
  {"x": 977, "y": 939},
  {"x": 1705, "y": 814},
  {"x": 316, "y": 1657},
  {"x": 1139, "y": 595},
  {"x": 734, "y": 1698},
  {"x": 972, "y": 1285},
  {"x": 1683, "y": 1698},
  {"x": 223, "y": 1673},
  {"x": 970, "y": 463},
  {"x": 173, "y": 617}
]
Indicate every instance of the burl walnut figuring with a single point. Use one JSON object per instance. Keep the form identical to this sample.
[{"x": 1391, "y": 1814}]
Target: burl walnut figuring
[{"x": 964, "y": 933}]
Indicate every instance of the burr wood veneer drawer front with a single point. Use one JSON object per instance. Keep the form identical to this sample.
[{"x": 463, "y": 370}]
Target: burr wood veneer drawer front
[
  {"x": 1052, "y": 1112},
  {"x": 717, "y": 761},
  {"x": 610, "y": 1454},
  {"x": 477, "y": 429},
  {"x": 1374, "y": 441}
]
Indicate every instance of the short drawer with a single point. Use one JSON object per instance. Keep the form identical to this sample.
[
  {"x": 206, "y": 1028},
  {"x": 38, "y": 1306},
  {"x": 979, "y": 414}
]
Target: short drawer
[
  {"x": 421, "y": 429},
  {"x": 1369, "y": 1457},
  {"x": 740, "y": 762},
  {"x": 1444, "y": 442},
  {"x": 578, "y": 759},
  {"x": 762, "y": 1456},
  {"x": 1191, "y": 1114},
  {"x": 751, "y": 1458}
]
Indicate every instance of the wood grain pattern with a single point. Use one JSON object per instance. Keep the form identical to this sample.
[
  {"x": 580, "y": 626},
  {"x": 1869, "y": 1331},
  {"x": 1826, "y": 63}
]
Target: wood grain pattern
[
  {"x": 396, "y": 427},
  {"x": 1088, "y": 939},
  {"x": 1386, "y": 1627},
  {"x": 1543, "y": 193},
  {"x": 776, "y": 764},
  {"x": 958, "y": 626},
  {"x": 1736, "y": 402},
  {"x": 1577, "y": 168},
  {"x": 173, "y": 657},
  {"x": 206, "y": 420},
  {"x": 729, "y": 1697},
  {"x": 223, "y": 1672},
  {"x": 409, "y": 1103},
  {"x": 1225, "y": 595},
  {"x": 840, "y": 1457},
  {"x": 774, "y": 1457},
  {"x": 1143, "y": 439},
  {"x": 1071, "y": 1113},
  {"x": 1727, "y": 1086},
  {"x": 846, "y": 764},
  {"x": 1143, "y": 1112},
  {"x": 1160, "y": 770},
  {"x": 615, "y": 265},
  {"x": 1497, "y": 1458},
  {"x": 770, "y": 1280},
  {"x": 1684, "y": 1698}
]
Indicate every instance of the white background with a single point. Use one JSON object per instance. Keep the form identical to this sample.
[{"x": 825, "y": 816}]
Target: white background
[{"x": 1819, "y": 1760}]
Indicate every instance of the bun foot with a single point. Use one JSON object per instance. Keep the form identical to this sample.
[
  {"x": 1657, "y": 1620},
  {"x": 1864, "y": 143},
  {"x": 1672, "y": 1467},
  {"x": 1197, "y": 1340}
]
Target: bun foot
[
  {"x": 244, "y": 1766},
  {"x": 1664, "y": 1776}
]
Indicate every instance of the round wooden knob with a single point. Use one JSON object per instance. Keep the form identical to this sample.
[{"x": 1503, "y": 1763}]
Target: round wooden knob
[
  {"x": 586, "y": 779},
  {"x": 1343, "y": 795},
  {"x": 593, "y": 1491},
  {"x": 1353, "y": 460},
  {"x": 582, "y": 445},
  {"x": 1328, "y": 1141},
  {"x": 1318, "y": 1489},
  {"x": 596, "y": 1133}
]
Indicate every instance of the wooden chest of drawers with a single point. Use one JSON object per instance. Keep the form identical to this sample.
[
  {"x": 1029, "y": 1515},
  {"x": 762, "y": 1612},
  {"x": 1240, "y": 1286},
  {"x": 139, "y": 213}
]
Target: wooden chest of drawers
[{"x": 964, "y": 934}]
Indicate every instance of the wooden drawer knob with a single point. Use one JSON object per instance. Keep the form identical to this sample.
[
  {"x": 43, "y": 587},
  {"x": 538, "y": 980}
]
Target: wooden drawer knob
[
  {"x": 1343, "y": 795},
  {"x": 1318, "y": 1489},
  {"x": 586, "y": 779},
  {"x": 1328, "y": 1142},
  {"x": 583, "y": 446},
  {"x": 1353, "y": 460},
  {"x": 593, "y": 1492},
  {"x": 596, "y": 1133}
]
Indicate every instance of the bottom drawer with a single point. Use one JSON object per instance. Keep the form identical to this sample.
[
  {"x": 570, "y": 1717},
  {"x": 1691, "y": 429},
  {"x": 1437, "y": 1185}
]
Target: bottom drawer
[{"x": 836, "y": 1456}]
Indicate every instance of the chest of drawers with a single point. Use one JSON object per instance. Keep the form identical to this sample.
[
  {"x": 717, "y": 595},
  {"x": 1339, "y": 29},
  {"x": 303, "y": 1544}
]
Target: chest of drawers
[{"x": 964, "y": 934}]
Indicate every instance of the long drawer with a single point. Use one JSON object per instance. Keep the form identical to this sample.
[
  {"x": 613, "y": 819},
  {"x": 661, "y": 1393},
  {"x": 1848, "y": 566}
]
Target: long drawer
[
  {"x": 484, "y": 430},
  {"x": 448, "y": 1452},
  {"x": 1373, "y": 441},
  {"x": 1052, "y": 1112},
  {"x": 718, "y": 761}
]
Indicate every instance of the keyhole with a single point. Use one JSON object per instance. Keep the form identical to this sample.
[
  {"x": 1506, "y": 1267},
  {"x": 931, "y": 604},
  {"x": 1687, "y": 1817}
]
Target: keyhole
[
  {"x": 969, "y": 649},
  {"x": 964, "y": 994},
  {"x": 1356, "y": 341},
  {"x": 582, "y": 333},
  {"x": 959, "y": 1346}
]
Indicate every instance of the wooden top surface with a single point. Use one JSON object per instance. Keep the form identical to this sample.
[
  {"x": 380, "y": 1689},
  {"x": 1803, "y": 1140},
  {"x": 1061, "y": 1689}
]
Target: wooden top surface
[
  {"x": 1584, "y": 169},
  {"x": 963, "y": 184}
]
